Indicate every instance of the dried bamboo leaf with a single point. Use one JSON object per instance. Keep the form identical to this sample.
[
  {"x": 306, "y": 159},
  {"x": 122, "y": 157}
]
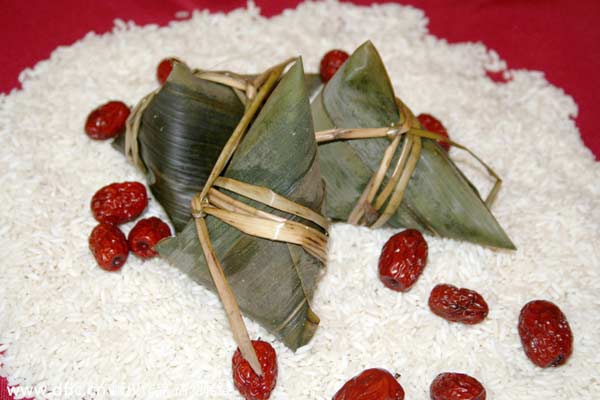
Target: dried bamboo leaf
[
  {"x": 439, "y": 199},
  {"x": 272, "y": 281}
]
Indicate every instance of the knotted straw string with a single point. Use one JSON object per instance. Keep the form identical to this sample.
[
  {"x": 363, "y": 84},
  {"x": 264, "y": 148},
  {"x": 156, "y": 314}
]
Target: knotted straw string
[
  {"x": 132, "y": 128},
  {"x": 242, "y": 216},
  {"x": 243, "y": 87},
  {"x": 367, "y": 210}
]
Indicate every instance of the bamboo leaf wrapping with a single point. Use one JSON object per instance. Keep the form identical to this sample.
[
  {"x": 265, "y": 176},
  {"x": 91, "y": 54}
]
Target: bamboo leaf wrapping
[
  {"x": 182, "y": 132},
  {"x": 439, "y": 198},
  {"x": 273, "y": 281}
]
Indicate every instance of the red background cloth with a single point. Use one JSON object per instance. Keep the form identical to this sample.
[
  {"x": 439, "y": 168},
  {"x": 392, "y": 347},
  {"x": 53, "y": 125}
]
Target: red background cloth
[{"x": 559, "y": 37}]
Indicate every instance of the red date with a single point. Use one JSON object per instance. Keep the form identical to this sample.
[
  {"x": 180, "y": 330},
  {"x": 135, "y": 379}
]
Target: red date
[
  {"x": 145, "y": 234},
  {"x": 455, "y": 386},
  {"x": 250, "y": 385},
  {"x": 107, "y": 121},
  {"x": 402, "y": 260},
  {"x": 545, "y": 334},
  {"x": 118, "y": 203},
  {"x": 164, "y": 69},
  {"x": 331, "y": 62},
  {"x": 458, "y": 305},
  {"x": 371, "y": 384},
  {"x": 109, "y": 246},
  {"x": 432, "y": 124}
]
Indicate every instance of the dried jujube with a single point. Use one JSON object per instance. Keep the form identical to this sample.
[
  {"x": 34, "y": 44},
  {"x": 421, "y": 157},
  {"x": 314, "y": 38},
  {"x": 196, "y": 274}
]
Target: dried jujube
[
  {"x": 118, "y": 203},
  {"x": 246, "y": 381},
  {"x": 458, "y": 305},
  {"x": 109, "y": 246},
  {"x": 145, "y": 234},
  {"x": 331, "y": 62},
  {"x": 432, "y": 124},
  {"x": 456, "y": 386},
  {"x": 164, "y": 69},
  {"x": 545, "y": 334},
  {"x": 371, "y": 384},
  {"x": 402, "y": 260},
  {"x": 107, "y": 121}
]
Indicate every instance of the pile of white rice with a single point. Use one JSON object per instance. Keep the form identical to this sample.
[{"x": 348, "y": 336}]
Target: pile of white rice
[{"x": 147, "y": 332}]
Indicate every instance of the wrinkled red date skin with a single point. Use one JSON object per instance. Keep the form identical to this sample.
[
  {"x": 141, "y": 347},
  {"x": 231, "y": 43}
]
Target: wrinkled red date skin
[
  {"x": 545, "y": 334},
  {"x": 458, "y": 305},
  {"x": 250, "y": 385},
  {"x": 455, "y": 386},
  {"x": 164, "y": 69},
  {"x": 145, "y": 234},
  {"x": 107, "y": 121},
  {"x": 402, "y": 260},
  {"x": 109, "y": 246},
  {"x": 331, "y": 62},
  {"x": 371, "y": 384},
  {"x": 432, "y": 124},
  {"x": 118, "y": 203}
]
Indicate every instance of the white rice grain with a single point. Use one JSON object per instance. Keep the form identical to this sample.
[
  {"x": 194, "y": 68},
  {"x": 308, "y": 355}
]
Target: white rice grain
[{"x": 151, "y": 333}]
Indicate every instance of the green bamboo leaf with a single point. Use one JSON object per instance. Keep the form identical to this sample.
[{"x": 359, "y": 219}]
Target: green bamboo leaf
[
  {"x": 183, "y": 130},
  {"x": 273, "y": 281},
  {"x": 439, "y": 198}
]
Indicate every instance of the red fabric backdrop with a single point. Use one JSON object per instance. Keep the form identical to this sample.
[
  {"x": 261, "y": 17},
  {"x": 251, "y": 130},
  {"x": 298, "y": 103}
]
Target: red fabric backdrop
[{"x": 559, "y": 37}]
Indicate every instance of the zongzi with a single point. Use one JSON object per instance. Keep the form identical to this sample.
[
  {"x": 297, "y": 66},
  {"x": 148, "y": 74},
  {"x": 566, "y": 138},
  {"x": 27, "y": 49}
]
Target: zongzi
[
  {"x": 438, "y": 198},
  {"x": 273, "y": 281}
]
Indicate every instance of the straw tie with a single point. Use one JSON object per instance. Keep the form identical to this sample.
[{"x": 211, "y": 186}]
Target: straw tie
[{"x": 377, "y": 204}]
